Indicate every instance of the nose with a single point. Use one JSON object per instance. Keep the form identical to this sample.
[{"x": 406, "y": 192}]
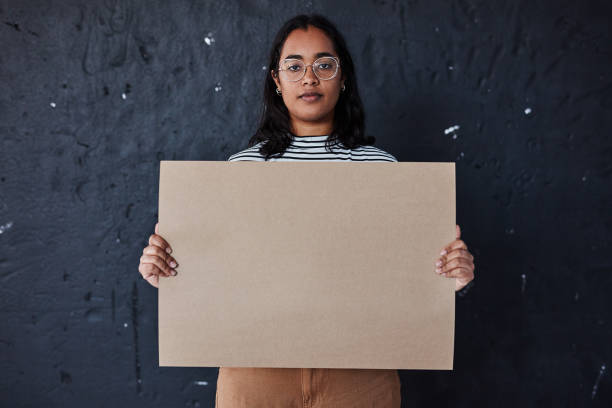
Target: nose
[{"x": 309, "y": 75}]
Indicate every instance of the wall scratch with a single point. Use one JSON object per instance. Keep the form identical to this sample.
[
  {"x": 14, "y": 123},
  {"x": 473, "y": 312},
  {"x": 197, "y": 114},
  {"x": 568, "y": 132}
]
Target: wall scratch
[
  {"x": 135, "y": 331},
  {"x": 601, "y": 372}
]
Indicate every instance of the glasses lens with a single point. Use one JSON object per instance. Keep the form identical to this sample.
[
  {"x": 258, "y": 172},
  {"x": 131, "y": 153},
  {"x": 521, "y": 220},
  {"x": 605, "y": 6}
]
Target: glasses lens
[
  {"x": 325, "y": 67},
  {"x": 292, "y": 70}
]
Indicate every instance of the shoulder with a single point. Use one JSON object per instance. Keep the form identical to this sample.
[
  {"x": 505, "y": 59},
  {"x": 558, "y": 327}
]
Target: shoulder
[
  {"x": 249, "y": 154},
  {"x": 374, "y": 153},
  {"x": 361, "y": 153}
]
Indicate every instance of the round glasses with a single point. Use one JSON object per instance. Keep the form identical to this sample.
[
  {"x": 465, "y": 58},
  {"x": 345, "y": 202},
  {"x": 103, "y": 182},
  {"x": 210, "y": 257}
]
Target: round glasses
[{"x": 324, "y": 68}]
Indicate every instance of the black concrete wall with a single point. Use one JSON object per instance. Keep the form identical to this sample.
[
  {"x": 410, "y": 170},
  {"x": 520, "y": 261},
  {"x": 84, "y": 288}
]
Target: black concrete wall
[{"x": 93, "y": 94}]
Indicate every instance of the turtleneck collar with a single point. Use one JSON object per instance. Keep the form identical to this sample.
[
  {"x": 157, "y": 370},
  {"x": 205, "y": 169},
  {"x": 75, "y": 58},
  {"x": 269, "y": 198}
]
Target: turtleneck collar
[
  {"x": 309, "y": 142},
  {"x": 313, "y": 138}
]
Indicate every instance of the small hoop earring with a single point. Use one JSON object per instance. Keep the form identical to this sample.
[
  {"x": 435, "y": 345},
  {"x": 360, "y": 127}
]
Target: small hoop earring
[
  {"x": 343, "y": 87},
  {"x": 278, "y": 91}
]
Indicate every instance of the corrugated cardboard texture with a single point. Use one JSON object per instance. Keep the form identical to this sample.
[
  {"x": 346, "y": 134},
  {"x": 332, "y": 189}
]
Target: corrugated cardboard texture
[{"x": 307, "y": 264}]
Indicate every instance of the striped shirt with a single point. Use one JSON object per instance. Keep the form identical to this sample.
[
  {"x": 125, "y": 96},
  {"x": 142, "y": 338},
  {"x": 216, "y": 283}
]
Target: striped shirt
[{"x": 313, "y": 148}]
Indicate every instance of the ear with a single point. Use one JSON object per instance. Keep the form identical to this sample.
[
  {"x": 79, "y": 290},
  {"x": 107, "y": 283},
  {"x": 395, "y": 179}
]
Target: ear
[{"x": 274, "y": 77}]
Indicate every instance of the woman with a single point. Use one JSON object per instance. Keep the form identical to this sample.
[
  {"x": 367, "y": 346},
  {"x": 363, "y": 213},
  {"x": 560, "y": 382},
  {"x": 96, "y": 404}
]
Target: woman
[{"x": 310, "y": 114}]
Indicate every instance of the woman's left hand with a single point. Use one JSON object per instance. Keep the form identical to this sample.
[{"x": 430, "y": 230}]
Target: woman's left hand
[{"x": 456, "y": 262}]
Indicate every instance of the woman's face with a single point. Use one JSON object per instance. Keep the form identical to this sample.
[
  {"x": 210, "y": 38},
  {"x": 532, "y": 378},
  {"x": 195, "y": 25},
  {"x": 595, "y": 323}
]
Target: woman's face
[{"x": 307, "y": 46}]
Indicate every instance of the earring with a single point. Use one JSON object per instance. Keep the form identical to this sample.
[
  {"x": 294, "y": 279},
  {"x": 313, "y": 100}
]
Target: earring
[
  {"x": 278, "y": 91},
  {"x": 343, "y": 87}
]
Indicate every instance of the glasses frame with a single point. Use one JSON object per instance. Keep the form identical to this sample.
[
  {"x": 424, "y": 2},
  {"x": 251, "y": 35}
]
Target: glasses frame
[{"x": 311, "y": 67}]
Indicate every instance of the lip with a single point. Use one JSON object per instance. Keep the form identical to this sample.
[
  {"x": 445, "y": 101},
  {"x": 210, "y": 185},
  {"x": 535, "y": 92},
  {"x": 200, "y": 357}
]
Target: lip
[{"x": 311, "y": 96}]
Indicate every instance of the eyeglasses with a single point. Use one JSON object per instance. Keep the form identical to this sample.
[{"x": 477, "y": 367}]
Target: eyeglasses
[{"x": 324, "y": 68}]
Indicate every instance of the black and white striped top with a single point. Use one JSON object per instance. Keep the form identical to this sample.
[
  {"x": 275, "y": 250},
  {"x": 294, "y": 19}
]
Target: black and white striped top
[{"x": 313, "y": 148}]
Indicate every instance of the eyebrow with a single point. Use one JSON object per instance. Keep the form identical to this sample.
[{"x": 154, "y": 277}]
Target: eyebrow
[{"x": 317, "y": 55}]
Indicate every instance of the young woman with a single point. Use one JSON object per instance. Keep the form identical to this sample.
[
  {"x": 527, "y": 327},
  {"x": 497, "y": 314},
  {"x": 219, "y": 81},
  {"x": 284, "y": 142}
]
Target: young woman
[{"x": 312, "y": 111}]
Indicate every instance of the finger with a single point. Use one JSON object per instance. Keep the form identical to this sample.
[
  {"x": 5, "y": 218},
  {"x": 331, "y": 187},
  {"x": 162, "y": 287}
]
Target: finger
[
  {"x": 454, "y": 263},
  {"x": 455, "y": 253},
  {"x": 156, "y": 239},
  {"x": 157, "y": 228},
  {"x": 453, "y": 245},
  {"x": 159, "y": 263},
  {"x": 458, "y": 231},
  {"x": 157, "y": 251},
  {"x": 148, "y": 269},
  {"x": 461, "y": 273}
]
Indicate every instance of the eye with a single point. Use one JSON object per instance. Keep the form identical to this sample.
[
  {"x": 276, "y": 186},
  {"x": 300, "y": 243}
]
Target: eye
[
  {"x": 324, "y": 66},
  {"x": 294, "y": 66}
]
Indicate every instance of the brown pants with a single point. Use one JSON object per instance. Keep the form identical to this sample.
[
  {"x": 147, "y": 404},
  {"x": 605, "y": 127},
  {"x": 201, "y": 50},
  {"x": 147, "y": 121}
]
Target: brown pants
[{"x": 255, "y": 387}]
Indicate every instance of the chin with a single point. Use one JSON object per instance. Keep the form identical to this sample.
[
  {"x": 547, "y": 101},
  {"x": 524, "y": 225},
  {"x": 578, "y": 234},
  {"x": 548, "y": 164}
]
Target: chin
[{"x": 312, "y": 113}]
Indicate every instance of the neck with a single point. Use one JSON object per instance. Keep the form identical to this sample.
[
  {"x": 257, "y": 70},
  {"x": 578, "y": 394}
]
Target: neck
[{"x": 320, "y": 128}]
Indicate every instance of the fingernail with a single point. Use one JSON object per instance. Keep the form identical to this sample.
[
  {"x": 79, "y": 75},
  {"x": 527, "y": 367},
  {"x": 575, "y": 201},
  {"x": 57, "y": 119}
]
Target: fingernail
[
  {"x": 172, "y": 264},
  {"x": 169, "y": 250},
  {"x": 438, "y": 263},
  {"x": 438, "y": 270},
  {"x": 443, "y": 252},
  {"x": 173, "y": 272}
]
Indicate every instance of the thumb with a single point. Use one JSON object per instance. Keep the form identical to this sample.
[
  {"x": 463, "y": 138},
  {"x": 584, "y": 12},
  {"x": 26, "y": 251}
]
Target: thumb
[
  {"x": 157, "y": 228},
  {"x": 458, "y": 231}
]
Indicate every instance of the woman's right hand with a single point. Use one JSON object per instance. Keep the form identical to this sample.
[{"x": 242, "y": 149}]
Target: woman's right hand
[{"x": 156, "y": 260}]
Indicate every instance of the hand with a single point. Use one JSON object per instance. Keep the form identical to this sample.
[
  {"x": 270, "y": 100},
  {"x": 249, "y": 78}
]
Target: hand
[
  {"x": 156, "y": 260},
  {"x": 456, "y": 262}
]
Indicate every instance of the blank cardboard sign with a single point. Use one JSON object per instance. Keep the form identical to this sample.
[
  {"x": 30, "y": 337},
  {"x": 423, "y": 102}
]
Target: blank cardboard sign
[{"x": 307, "y": 264}]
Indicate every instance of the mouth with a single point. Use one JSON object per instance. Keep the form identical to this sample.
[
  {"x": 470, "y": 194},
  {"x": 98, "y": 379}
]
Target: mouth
[{"x": 311, "y": 96}]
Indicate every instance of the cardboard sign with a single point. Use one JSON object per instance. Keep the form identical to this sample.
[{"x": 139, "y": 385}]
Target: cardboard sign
[{"x": 307, "y": 264}]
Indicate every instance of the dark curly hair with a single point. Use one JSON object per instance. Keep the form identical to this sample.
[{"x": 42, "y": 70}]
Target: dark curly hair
[{"x": 349, "y": 116}]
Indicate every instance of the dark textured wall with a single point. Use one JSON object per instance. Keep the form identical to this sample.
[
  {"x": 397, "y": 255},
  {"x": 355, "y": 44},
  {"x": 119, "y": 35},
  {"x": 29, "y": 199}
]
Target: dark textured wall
[{"x": 95, "y": 93}]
